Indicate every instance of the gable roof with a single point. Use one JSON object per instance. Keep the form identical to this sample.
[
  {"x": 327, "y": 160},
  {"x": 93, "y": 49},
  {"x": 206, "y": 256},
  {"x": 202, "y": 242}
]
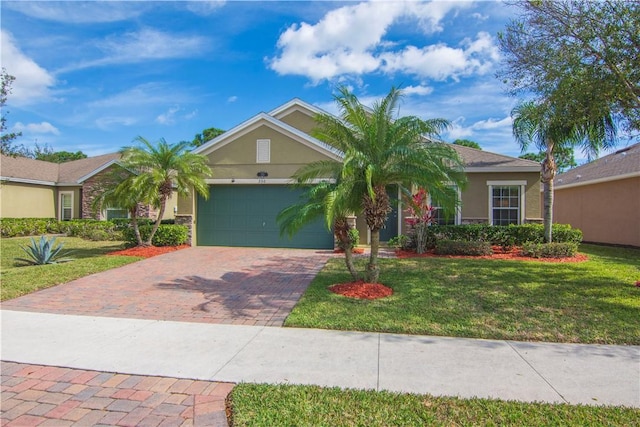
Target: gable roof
[
  {"x": 264, "y": 118},
  {"x": 23, "y": 169},
  {"x": 296, "y": 104},
  {"x": 624, "y": 163},
  {"x": 474, "y": 160},
  {"x": 485, "y": 161}
]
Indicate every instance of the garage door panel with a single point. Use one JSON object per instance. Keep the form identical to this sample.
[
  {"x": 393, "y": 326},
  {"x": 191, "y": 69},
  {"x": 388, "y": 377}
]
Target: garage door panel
[{"x": 245, "y": 215}]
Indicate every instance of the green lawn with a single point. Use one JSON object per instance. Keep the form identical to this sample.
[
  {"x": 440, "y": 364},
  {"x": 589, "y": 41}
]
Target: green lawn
[
  {"x": 286, "y": 405},
  {"x": 590, "y": 302},
  {"x": 89, "y": 257}
]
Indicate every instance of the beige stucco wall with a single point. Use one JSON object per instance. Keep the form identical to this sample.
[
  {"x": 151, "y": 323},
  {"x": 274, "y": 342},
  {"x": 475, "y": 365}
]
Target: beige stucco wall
[
  {"x": 608, "y": 212},
  {"x": 237, "y": 159},
  {"x": 27, "y": 201},
  {"x": 475, "y": 197},
  {"x": 300, "y": 120},
  {"x": 170, "y": 207}
]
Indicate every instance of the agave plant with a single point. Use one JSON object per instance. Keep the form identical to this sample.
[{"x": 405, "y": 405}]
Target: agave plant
[{"x": 44, "y": 252}]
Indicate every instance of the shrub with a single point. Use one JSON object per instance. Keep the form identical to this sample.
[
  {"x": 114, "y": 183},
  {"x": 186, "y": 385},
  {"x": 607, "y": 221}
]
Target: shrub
[
  {"x": 564, "y": 233},
  {"x": 44, "y": 252},
  {"x": 16, "y": 227},
  {"x": 167, "y": 235},
  {"x": 460, "y": 247},
  {"x": 511, "y": 234},
  {"x": 354, "y": 237},
  {"x": 550, "y": 250},
  {"x": 399, "y": 242},
  {"x": 91, "y": 229}
]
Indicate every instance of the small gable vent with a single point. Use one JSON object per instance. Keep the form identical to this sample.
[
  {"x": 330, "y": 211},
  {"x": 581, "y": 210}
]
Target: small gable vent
[{"x": 263, "y": 150}]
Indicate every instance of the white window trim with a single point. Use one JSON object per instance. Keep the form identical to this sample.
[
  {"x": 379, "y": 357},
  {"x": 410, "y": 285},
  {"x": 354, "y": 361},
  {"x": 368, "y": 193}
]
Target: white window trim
[
  {"x": 263, "y": 151},
  {"x": 60, "y": 205},
  {"x": 516, "y": 183}
]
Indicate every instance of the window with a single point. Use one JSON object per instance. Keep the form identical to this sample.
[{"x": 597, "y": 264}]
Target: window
[
  {"x": 506, "y": 202},
  {"x": 440, "y": 218},
  {"x": 66, "y": 205},
  {"x": 446, "y": 218},
  {"x": 263, "y": 151},
  {"x": 114, "y": 213}
]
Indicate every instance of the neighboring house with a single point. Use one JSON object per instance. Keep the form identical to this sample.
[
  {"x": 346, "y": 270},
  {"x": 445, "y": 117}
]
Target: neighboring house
[
  {"x": 37, "y": 189},
  {"x": 253, "y": 162},
  {"x": 602, "y": 198}
]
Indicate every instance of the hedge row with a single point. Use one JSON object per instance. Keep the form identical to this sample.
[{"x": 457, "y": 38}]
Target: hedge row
[
  {"x": 84, "y": 228},
  {"x": 510, "y": 235}
]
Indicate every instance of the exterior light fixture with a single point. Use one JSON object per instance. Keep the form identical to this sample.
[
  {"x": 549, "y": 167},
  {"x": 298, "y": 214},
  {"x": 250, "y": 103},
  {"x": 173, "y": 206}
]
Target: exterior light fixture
[{"x": 261, "y": 176}]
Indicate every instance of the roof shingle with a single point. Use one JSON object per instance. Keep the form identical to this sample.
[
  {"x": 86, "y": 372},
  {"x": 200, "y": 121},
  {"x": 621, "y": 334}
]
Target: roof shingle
[{"x": 623, "y": 162}]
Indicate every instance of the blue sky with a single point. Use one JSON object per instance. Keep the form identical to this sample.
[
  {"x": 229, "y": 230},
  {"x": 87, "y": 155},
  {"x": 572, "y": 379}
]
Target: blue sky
[{"x": 92, "y": 76}]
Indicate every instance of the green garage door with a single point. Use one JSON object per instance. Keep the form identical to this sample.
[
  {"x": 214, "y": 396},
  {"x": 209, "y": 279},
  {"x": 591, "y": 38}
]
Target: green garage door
[{"x": 245, "y": 215}]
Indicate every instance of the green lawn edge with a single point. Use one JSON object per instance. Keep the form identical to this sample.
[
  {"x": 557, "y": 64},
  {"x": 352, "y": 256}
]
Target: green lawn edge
[
  {"x": 301, "y": 405},
  {"x": 593, "y": 302},
  {"x": 88, "y": 258}
]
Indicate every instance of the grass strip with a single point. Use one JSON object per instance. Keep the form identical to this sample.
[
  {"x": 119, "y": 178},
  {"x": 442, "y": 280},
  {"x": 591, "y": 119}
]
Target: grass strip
[{"x": 286, "y": 405}]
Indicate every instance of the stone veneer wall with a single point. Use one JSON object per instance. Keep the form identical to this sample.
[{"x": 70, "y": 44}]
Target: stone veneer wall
[
  {"x": 90, "y": 189},
  {"x": 182, "y": 219}
]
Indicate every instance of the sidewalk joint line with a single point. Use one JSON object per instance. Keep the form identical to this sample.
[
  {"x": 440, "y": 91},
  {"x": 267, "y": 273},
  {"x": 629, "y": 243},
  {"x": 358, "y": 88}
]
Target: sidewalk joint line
[
  {"x": 236, "y": 353},
  {"x": 537, "y": 372},
  {"x": 378, "y": 376}
]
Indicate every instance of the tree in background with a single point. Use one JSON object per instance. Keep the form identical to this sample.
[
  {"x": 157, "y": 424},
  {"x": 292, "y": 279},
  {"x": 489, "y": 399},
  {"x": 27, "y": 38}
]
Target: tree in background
[
  {"x": 206, "y": 136},
  {"x": 47, "y": 154},
  {"x": 381, "y": 150},
  {"x": 161, "y": 168},
  {"x": 581, "y": 52},
  {"x": 467, "y": 143},
  {"x": 6, "y": 139},
  {"x": 546, "y": 127},
  {"x": 564, "y": 157}
]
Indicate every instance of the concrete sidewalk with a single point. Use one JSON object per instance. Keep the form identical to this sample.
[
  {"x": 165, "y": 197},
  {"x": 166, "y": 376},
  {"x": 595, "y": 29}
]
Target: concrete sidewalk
[{"x": 576, "y": 374}]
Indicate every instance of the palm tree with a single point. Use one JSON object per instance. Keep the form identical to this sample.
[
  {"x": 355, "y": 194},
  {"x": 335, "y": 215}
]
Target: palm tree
[
  {"x": 115, "y": 190},
  {"x": 159, "y": 169},
  {"x": 381, "y": 150},
  {"x": 552, "y": 130},
  {"x": 319, "y": 201}
]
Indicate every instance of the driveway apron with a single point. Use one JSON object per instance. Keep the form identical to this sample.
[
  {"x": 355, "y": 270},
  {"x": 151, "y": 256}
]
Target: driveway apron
[{"x": 248, "y": 286}]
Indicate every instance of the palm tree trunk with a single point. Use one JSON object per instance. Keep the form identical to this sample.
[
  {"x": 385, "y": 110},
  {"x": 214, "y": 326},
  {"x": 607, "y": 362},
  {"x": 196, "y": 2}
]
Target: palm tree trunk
[
  {"x": 163, "y": 203},
  {"x": 372, "y": 274},
  {"x": 341, "y": 230},
  {"x": 134, "y": 223},
  {"x": 548, "y": 211},
  {"x": 348, "y": 259},
  {"x": 549, "y": 170}
]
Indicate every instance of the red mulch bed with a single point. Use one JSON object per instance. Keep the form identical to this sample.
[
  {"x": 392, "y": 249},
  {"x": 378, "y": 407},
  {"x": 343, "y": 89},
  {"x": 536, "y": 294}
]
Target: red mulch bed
[
  {"x": 361, "y": 290},
  {"x": 498, "y": 253},
  {"x": 148, "y": 251}
]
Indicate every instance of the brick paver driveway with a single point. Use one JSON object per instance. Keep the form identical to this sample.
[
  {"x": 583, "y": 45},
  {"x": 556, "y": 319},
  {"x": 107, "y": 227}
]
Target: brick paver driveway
[{"x": 250, "y": 286}]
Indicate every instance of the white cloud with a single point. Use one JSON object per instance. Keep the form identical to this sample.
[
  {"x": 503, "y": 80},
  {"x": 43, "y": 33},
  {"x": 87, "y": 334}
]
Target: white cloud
[
  {"x": 440, "y": 62},
  {"x": 140, "y": 95},
  {"x": 36, "y": 128},
  {"x": 349, "y": 41},
  {"x": 78, "y": 12},
  {"x": 417, "y": 90},
  {"x": 168, "y": 117},
  {"x": 32, "y": 83},
  {"x": 143, "y": 45},
  {"x": 109, "y": 122},
  {"x": 232, "y": 99},
  {"x": 205, "y": 8}
]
